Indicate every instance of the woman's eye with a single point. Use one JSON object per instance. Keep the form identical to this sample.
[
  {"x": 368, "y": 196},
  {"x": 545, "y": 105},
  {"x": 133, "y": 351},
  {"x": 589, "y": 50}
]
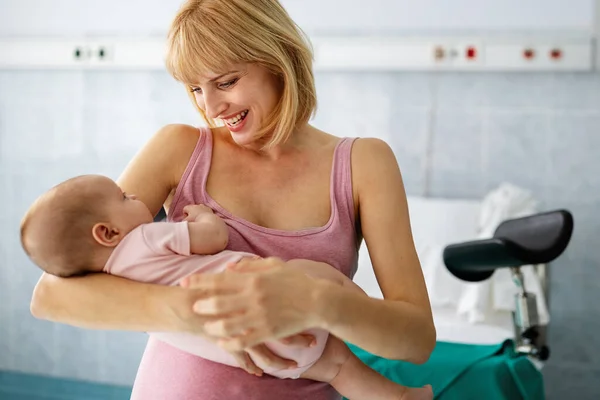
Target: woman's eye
[
  {"x": 195, "y": 90},
  {"x": 225, "y": 85}
]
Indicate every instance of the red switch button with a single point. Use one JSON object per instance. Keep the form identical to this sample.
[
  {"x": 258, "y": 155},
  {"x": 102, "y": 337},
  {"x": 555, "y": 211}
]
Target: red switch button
[
  {"x": 528, "y": 54},
  {"x": 471, "y": 53},
  {"x": 556, "y": 54}
]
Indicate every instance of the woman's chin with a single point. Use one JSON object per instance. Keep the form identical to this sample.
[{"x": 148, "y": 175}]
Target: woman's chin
[
  {"x": 243, "y": 138},
  {"x": 246, "y": 137}
]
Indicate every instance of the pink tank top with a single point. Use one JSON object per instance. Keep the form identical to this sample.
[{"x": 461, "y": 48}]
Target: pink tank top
[{"x": 167, "y": 373}]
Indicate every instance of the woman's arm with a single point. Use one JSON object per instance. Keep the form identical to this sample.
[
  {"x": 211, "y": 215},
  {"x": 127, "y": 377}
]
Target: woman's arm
[
  {"x": 401, "y": 326},
  {"x": 109, "y": 302},
  {"x": 102, "y": 301}
]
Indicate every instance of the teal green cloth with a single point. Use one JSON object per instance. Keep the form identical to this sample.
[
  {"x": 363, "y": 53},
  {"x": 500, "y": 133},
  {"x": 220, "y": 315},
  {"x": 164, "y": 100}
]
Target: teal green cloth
[{"x": 464, "y": 372}]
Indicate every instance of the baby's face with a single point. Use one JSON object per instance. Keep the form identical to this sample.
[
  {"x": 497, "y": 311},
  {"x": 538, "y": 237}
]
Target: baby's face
[{"x": 126, "y": 211}]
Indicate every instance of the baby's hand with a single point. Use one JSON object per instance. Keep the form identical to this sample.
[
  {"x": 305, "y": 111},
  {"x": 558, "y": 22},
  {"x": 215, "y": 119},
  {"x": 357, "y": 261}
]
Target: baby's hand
[{"x": 193, "y": 211}]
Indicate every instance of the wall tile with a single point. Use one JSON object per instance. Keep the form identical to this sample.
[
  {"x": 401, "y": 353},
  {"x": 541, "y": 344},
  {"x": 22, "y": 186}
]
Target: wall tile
[
  {"x": 515, "y": 150},
  {"x": 105, "y": 88},
  {"x": 6, "y": 355},
  {"x": 573, "y": 146},
  {"x": 576, "y": 92},
  {"x": 38, "y": 133},
  {"x": 117, "y": 129},
  {"x": 520, "y": 90},
  {"x": 5, "y": 260},
  {"x": 408, "y": 140},
  {"x": 79, "y": 352},
  {"x": 412, "y": 90},
  {"x": 568, "y": 380},
  {"x": 567, "y": 339},
  {"x": 460, "y": 92},
  {"x": 33, "y": 88},
  {"x": 457, "y": 163},
  {"x": 355, "y": 105},
  {"x": 121, "y": 355},
  {"x": 32, "y": 343}
]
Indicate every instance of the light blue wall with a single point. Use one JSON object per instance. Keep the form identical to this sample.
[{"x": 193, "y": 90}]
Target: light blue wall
[
  {"x": 54, "y": 125},
  {"x": 455, "y": 135},
  {"x": 460, "y": 135}
]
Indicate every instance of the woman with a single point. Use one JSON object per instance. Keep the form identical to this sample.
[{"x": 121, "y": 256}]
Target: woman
[{"x": 285, "y": 189}]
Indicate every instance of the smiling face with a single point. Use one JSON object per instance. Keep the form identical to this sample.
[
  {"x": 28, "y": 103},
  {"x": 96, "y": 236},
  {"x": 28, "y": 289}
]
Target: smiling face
[
  {"x": 243, "y": 97},
  {"x": 266, "y": 92}
]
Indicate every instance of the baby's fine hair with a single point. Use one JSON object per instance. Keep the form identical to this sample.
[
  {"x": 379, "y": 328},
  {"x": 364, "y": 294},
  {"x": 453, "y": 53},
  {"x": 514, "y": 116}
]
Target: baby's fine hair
[{"x": 56, "y": 231}]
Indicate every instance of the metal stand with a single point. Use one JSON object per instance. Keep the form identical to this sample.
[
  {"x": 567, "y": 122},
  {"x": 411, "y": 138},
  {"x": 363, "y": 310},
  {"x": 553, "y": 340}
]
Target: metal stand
[{"x": 526, "y": 321}]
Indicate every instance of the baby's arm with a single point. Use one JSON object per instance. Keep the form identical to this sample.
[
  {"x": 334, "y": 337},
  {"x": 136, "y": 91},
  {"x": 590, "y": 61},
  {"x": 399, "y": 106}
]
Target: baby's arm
[{"x": 208, "y": 232}]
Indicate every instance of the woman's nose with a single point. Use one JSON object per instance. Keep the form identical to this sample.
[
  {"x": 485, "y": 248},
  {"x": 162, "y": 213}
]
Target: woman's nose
[
  {"x": 214, "y": 105},
  {"x": 132, "y": 197}
]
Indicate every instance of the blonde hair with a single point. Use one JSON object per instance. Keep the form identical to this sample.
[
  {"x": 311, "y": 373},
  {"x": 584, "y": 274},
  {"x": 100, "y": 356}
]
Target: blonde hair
[{"x": 209, "y": 35}]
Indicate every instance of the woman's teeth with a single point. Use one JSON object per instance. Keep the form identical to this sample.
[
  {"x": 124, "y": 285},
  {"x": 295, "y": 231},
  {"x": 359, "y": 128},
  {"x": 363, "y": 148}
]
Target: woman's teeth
[{"x": 237, "y": 119}]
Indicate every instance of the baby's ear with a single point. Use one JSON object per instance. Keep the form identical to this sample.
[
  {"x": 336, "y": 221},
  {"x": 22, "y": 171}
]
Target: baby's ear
[{"x": 106, "y": 234}]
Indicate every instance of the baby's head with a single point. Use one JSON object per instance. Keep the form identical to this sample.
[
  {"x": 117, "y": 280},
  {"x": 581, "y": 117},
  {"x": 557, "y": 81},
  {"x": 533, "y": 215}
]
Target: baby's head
[{"x": 73, "y": 228}]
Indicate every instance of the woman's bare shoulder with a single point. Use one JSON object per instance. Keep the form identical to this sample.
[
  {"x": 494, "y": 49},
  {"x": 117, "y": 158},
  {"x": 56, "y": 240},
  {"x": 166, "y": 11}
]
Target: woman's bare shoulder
[
  {"x": 175, "y": 137},
  {"x": 157, "y": 168},
  {"x": 372, "y": 153}
]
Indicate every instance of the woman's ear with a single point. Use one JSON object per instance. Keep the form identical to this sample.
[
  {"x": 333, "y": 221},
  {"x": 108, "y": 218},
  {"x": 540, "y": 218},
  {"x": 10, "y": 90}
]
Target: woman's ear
[{"x": 106, "y": 234}]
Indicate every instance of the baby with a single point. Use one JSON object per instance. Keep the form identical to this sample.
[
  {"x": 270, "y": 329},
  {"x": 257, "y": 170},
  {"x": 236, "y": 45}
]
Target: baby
[{"x": 88, "y": 224}]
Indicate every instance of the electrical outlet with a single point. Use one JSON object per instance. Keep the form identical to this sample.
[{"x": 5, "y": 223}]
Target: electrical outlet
[
  {"x": 458, "y": 55},
  {"x": 101, "y": 53}
]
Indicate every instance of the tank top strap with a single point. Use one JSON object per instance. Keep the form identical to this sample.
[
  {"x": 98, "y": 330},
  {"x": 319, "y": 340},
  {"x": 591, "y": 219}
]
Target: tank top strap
[
  {"x": 193, "y": 181},
  {"x": 342, "y": 180},
  {"x": 192, "y": 187}
]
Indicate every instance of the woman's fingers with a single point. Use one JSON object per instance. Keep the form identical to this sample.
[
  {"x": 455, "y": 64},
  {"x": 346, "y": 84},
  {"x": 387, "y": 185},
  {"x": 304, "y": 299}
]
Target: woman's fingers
[
  {"x": 232, "y": 326},
  {"x": 247, "y": 309},
  {"x": 222, "y": 282},
  {"x": 246, "y": 363},
  {"x": 245, "y": 339},
  {"x": 299, "y": 340},
  {"x": 220, "y": 305},
  {"x": 267, "y": 357},
  {"x": 256, "y": 264}
]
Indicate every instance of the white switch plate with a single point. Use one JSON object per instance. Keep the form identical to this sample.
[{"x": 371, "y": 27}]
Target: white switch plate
[{"x": 331, "y": 53}]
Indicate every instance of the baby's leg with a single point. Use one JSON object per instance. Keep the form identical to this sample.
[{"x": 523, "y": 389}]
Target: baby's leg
[{"x": 353, "y": 379}]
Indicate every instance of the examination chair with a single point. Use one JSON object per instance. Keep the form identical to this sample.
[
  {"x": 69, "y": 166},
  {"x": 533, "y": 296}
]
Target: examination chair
[
  {"x": 505, "y": 371},
  {"x": 533, "y": 240}
]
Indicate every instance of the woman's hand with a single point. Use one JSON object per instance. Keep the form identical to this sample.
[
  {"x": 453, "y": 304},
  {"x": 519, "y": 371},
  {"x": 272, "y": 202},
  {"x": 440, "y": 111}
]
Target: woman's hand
[
  {"x": 246, "y": 363},
  {"x": 265, "y": 356},
  {"x": 181, "y": 303},
  {"x": 256, "y": 301}
]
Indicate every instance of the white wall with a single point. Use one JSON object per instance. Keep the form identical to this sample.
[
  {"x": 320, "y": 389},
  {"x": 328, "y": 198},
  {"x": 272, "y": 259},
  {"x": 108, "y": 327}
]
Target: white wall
[
  {"x": 79, "y": 17},
  {"x": 142, "y": 17},
  {"x": 441, "y": 15}
]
